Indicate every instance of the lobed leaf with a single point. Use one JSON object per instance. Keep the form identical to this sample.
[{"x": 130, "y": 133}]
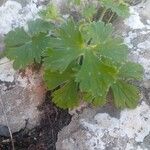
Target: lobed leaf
[
  {"x": 131, "y": 70},
  {"x": 65, "y": 48},
  {"x": 89, "y": 11},
  {"x": 23, "y": 48},
  {"x": 39, "y": 26},
  {"x": 67, "y": 96},
  {"x": 16, "y": 37},
  {"x": 125, "y": 94},
  {"x": 54, "y": 79},
  {"x": 113, "y": 49},
  {"x": 50, "y": 12},
  {"x": 99, "y": 32},
  {"x": 93, "y": 74}
]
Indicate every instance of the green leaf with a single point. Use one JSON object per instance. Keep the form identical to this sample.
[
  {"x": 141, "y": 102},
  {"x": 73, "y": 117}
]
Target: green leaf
[
  {"x": 131, "y": 70},
  {"x": 65, "y": 48},
  {"x": 125, "y": 95},
  {"x": 67, "y": 96},
  {"x": 39, "y": 26},
  {"x": 75, "y": 2},
  {"x": 99, "y": 32},
  {"x": 50, "y": 13},
  {"x": 113, "y": 49},
  {"x": 89, "y": 11},
  {"x": 123, "y": 10},
  {"x": 118, "y": 6},
  {"x": 54, "y": 79},
  {"x": 16, "y": 38},
  {"x": 96, "y": 101},
  {"x": 23, "y": 49},
  {"x": 94, "y": 76}
]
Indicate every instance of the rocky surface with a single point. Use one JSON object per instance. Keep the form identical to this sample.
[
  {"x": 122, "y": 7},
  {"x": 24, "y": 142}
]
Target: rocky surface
[
  {"x": 20, "y": 94},
  {"x": 19, "y": 97},
  {"x": 109, "y": 129}
]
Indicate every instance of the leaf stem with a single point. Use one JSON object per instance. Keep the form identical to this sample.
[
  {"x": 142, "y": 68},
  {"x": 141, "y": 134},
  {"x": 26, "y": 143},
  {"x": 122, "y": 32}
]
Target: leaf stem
[
  {"x": 103, "y": 14},
  {"x": 112, "y": 15}
]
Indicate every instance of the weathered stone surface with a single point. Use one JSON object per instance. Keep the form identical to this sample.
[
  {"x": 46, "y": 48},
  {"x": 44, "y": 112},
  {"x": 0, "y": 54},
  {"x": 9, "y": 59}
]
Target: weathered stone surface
[
  {"x": 19, "y": 94},
  {"x": 104, "y": 128},
  {"x": 4, "y": 131},
  {"x": 19, "y": 97},
  {"x": 13, "y": 14}
]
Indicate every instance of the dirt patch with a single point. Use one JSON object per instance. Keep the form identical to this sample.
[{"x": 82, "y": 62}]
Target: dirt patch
[{"x": 42, "y": 137}]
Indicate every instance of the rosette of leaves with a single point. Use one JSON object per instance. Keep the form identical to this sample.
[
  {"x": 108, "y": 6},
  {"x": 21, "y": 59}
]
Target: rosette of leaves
[
  {"x": 87, "y": 64},
  {"x": 26, "y": 47}
]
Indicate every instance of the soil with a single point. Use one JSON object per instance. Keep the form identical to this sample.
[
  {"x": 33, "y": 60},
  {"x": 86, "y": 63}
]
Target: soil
[{"x": 42, "y": 137}]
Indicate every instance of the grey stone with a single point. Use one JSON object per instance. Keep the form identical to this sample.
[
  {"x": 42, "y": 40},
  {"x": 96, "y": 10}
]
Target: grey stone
[
  {"x": 4, "y": 131},
  {"x": 20, "y": 97},
  {"x": 146, "y": 10}
]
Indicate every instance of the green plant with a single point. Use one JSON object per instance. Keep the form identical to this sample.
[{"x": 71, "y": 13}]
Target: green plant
[
  {"x": 117, "y": 6},
  {"x": 81, "y": 60},
  {"x": 107, "y": 11},
  {"x": 50, "y": 13},
  {"x": 25, "y": 48}
]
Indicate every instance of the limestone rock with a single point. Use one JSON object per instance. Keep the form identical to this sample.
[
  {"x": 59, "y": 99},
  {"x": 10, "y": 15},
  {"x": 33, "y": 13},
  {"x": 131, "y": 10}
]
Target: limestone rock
[
  {"x": 103, "y": 132},
  {"x": 20, "y": 95},
  {"x": 146, "y": 10}
]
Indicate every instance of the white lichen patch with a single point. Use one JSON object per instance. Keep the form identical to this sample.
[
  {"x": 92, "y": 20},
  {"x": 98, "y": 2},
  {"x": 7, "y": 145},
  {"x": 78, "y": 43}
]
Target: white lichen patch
[
  {"x": 127, "y": 39},
  {"x": 144, "y": 45},
  {"x": 6, "y": 71},
  {"x": 94, "y": 135},
  {"x": 133, "y": 124},
  {"x": 134, "y": 21},
  {"x": 12, "y": 15}
]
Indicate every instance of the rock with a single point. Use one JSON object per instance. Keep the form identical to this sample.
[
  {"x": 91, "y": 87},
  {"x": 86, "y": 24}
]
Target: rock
[
  {"x": 13, "y": 14},
  {"x": 106, "y": 132},
  {"x": 20, "y": 94},
  {"x": 4, "y": 131},
  {"x": 104, "y": 128},
  {"x": 146, "y": 10}
]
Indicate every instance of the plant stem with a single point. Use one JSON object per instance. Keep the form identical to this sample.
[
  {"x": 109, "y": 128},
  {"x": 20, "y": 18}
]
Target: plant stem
[
  {"x": 112, "y": 15},
  {"x": 12, "y": 141},
  {"x": 103, "y": 14}
]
